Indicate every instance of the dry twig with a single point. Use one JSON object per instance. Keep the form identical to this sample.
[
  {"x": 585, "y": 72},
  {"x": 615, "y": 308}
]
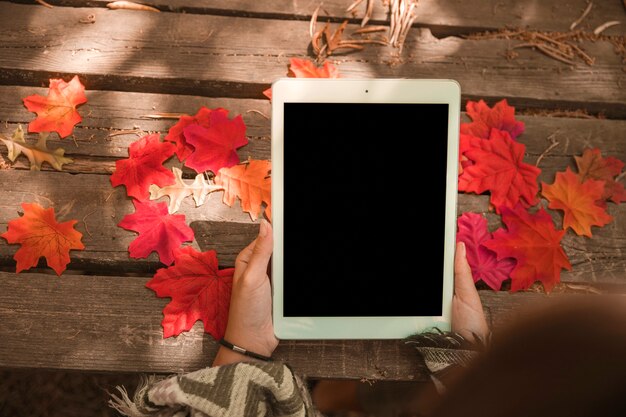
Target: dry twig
[
  {"x": 557, "y": 45},
  {"x": 129, "y": 5},
  {"x": 582, "y": 17},
  {"x": 554, "y": 144},
  {"x": 126, "y": 132},
  {"x": 162, "y": 116},
  {"x": 605, "y": 26},
  {"x": 259, "y": 112},
  {"x": 43, "y": 3},
  {"x": 402, "y": 18}
]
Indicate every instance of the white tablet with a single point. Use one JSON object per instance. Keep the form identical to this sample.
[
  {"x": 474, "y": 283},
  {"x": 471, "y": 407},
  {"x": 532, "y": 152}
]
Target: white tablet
[{"x": 364, "y": 186}]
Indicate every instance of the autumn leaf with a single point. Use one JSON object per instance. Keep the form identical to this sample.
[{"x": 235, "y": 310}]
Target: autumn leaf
[
  {"x": 158, "y": 230},
  {"x": 37, "y": 154},
  {"x": 304, "y": 68},
  {"x": 144, "y": 166},
  {"x": 498, "y": 167},
  {"x": 57, "y": 112},
  {"x": 534, "y": 243},
  {"x": 577, "y": 200},
  {"x": 472, "y": 230},
  {"x": 199, "y": 291},
  {"x": 176, "y": 132},
  {"x": 215, "y": 146},
  {"x": 250, "y": 182},
  {"x": 41, "y": 235},
  {"x": 591, "y": 165},
  {"x": 177, "y": 192},
  {"x": 501, "y": 117}
]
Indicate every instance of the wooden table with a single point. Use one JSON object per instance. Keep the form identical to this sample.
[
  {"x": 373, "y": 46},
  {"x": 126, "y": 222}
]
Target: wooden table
[{"x": 98, "y": 315}]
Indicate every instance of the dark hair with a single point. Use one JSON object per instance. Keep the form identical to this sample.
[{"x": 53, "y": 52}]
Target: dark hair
[{"x": 567, "y": 360}]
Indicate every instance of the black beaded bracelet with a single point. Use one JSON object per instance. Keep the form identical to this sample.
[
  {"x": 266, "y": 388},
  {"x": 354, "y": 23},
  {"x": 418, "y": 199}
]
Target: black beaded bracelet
[{"x": 243, "y": 351}]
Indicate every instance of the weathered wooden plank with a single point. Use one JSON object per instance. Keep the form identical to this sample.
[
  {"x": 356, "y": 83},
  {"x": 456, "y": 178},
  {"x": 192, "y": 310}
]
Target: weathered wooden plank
[
  {"x": 239, "y": 57},
  {"x": 99, "y": 207},
  {"x": 109, "y": 112},
  {"x": 111, "y": 323},
  {"x": 444, "y": 17}
]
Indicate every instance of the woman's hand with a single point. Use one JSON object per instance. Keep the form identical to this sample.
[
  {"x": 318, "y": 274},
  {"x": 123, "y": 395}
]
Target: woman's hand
[
  {"x": 250, "y": 315},
  {"x": 468, "y": 317}
]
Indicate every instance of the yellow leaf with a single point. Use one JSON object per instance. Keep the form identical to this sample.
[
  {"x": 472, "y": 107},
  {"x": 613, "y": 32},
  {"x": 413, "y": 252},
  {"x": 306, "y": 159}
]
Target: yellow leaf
[
  {"x": 37, "y": 154},
  {"x": 180, "y": 190}
]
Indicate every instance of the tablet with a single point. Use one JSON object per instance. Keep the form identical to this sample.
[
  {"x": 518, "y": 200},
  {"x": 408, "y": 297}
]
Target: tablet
[{"x": 364, "y": 186}]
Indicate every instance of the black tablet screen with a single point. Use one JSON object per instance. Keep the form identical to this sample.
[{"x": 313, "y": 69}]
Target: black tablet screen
[{"x": 364, "y": 209}]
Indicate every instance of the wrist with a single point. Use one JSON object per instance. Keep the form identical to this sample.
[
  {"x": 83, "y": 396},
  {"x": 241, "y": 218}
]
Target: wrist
[{"x": 226, "y": 356}]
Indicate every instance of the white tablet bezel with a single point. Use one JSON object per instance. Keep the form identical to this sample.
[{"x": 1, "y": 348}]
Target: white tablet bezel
[{"x": 361, "y": 91}]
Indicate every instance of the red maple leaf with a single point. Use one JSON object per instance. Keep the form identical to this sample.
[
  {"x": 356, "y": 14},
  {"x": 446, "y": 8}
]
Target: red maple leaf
[
  {"x": 464, "y": 145},
  {"x": 158, "y": 230},
  {"x": 199, "y": 291},
  {"x": 40, "y": 234},
  {"x": 251, "y": 182},
  {"x": 577, "y": 200},
  {"x": 144, "y": 167},
  {"x": 536, "y": 245},
  {"x": 305, "y": 68},
  {"x": 498, "y": 167},
  {"x": 591, "y": 165},
  {"x": 57, "y": 112},
  {"x": 501, "y": 117},
  {"x": 215, "y": 146},
  {"x": 176, "y": 132},
  {"x": 472, "y": 230}
]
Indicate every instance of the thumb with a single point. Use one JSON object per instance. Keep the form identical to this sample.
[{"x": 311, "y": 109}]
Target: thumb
[
  {"x": 464, "y": 287},
  {"x": 262, "y": 251}
]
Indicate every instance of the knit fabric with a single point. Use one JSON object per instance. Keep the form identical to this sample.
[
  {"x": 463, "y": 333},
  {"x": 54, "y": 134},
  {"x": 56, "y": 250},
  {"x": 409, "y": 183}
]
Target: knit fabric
[{"x": 248, "y": 389}]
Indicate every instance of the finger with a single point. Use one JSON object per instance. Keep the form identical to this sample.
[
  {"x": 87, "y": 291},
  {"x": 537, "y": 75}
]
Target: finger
[
  {"x": 261, "y": 252},
  {"x": 464, "y": 287},
  {"x": 241, "y": 263}
]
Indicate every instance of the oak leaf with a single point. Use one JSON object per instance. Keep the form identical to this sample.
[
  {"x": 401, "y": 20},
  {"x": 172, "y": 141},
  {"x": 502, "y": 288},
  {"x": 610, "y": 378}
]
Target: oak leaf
[
  {"x": 591, "y": 165},
  {"x": 215, "y": 147},
  {"x": 484, "y": 118},
  {"x": 37, "y": 154},
  {"x": 200, "y": 189},
  {"x": 176, "y": 132},
  {"x": 40, "y": 234},
  {"x": 158, "y": 230},
  {"x": 57, "y": 112},
  {"x": 199, "y": 291},
  {"x": 534, "y": 243},
  {"x": 144, "y": 166},
  {"x": 251, "y": 182},
  {"x": 472, "y": 230},
  {"x": 577, "y": 200},
  {"x": 497, "y": 166}
]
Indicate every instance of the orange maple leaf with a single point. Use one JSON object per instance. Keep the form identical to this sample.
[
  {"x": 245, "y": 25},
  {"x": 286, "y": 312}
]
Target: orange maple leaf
[
  {"x": 304, "y": 68},
  {"x": 591, "y": 165},
  {"x": 57, "y": 112},
  {"x": 41, "y": 235},
  {"x": 577, "y": 199},
  {"x": 251, "y": 182}
]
